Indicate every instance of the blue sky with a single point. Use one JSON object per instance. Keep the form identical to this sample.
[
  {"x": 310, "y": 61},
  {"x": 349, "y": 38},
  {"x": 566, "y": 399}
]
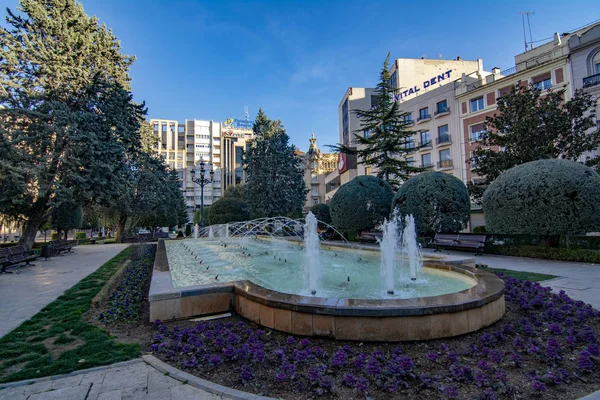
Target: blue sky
[{"x": 295, "y": 59}]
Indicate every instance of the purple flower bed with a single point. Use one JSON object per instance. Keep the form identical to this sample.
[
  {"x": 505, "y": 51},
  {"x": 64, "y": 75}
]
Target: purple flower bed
[
  {"x": 546, "y": 345},
  {"x": 125, "y": 303}
]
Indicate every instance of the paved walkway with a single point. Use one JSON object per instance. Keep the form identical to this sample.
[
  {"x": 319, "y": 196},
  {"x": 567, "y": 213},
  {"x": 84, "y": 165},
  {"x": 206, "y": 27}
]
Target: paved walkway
[
  {"x": 30, "y": 288},
  {"x": 131, "y": 380},
  {"x": 579, "y": 280}
]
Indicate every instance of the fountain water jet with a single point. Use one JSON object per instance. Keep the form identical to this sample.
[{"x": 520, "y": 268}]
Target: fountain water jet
[
  {"x": 211, "y": 234},
  {"x": 196, "y": 231},
  {"x": 312, "y": 251},
  {"x": 227, "y": 231},
  {"x": 410, "y": 247},
  {"x": 388, "y": 249}
]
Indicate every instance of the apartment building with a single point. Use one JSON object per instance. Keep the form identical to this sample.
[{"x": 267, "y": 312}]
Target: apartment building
[
  {"x": 219, "y": 146},
  {"x": 316, "y": 166}
]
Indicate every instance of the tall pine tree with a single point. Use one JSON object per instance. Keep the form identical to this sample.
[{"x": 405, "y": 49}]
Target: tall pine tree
[
  {"x": 275, "y": 184},
  {"x": 389, "y": 138},
  {"x": 67, "y": 120}
]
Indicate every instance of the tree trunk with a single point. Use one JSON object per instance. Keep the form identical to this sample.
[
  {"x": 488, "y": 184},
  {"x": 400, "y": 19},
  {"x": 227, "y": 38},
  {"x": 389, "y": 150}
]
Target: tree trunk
[
  {"x": 66, "y": 234},
  {"x": 36, "y": 219},
  {"x": 121, "y": 228}
]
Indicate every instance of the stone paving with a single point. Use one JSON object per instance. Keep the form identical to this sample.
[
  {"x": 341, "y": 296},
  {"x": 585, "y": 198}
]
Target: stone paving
[
  {"x": 131, "y": 380},
  {"x": 579, "y": 280},
  {"x": 30, "y": 288}
]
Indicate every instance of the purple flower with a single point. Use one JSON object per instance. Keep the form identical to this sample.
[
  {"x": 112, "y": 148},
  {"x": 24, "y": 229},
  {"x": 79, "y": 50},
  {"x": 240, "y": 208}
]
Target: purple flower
[
  {"x": 246, "y": 375},
  {"x": 340, "y": 358},
  {"x": 377, "y": 354},
  {"x": 481, "y": 379},
  {"x": 190, "y": 363},
  {"x": 326, "y": 383},
  {"x": 300, "y": 355},
  {"x": 362, "y": 385},
  {"x": 405, "y": 363},
  {"x": 360, "y": 361},
  {"x": 444, "y": 348},
  {"x": 584, "y": 362},
  {"x": 281, "y": 376},
  {"x": 432, "y": 356},
  {"x": 452, "y": 357},
  {"x": 290, "y": 340},
  {"x": 451, "y": 392},
  {"x": 215, "y": 360},
  {"x": 349, "y": 380},
  {"x": 483, "y": 365},
  {"x": 495, "y": 356},
  {"x": 373, "y": 367},
  {"x": 555, "y": 329},
  {"x": 305, "y": 342},
  {"x": 593, "y": 350},
  {"x": 315, "y": 373},
  {"x": 538, "y": 386}
]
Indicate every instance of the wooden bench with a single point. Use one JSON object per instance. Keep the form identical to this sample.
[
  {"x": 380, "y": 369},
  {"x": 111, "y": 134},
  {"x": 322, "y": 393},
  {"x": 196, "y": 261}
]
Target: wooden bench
[
  {"x": 466, "y": 241},
  {"x": 11, "y": 256},
  {"x": 61, "y": 245}
]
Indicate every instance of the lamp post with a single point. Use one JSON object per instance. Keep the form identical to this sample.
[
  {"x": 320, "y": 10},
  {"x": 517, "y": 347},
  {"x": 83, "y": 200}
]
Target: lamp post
[{"x": 202, "y": 181}]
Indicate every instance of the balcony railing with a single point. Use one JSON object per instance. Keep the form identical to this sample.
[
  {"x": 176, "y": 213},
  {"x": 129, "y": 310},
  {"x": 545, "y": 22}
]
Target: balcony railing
[
  {"x": 425, "y": 117},
  {"x": 428, "y": 165},
  {"x": 445, "y": 164},
  {"x": 425, "y": 143},
  {"x": 443, "y": 139},
  {"x": 442, "y": 111},
  {"x": 591, "y": 81}
]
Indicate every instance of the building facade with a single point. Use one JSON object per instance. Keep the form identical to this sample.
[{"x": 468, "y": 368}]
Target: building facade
[
  {"x": 220, "y": 146},
  {"x": 316, "y": 166}
]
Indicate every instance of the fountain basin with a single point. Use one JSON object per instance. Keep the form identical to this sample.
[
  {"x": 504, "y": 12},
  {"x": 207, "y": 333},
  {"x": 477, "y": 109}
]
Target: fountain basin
[{"x": 392, "y": 319}]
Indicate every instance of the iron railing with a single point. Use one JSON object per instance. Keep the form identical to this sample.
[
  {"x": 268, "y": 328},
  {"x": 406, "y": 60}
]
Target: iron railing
[
  {"x": 591, "y": 81},
  {"x": 445, "y": 164},
  {"x": 443, "y": 139},
  {"x": 442, "y": 110}
]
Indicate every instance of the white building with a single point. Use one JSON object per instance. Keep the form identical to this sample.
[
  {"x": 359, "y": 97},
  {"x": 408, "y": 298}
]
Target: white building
[{"x": 219, "y": 145}]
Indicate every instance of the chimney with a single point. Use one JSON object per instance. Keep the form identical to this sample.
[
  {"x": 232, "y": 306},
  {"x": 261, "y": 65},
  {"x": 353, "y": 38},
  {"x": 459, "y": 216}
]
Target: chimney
[
  {"x": 557, "y": 41},
  {"x": 458, "y": 58},
  {"x": 496, "y": 71}
]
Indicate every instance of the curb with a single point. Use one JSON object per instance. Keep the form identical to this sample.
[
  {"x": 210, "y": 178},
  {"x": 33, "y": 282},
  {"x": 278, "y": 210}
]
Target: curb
[
  {"x": 74, "y": 373},
  {"x": 200, "y": 383}
]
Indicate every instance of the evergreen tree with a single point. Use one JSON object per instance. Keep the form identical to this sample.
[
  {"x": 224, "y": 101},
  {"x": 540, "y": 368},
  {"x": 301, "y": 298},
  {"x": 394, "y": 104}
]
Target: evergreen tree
[
  {"x": 389, "y": 140},
  {"x": 275, "y": 184},
  {"x": 530, "y": 126},
  {"x": 67, "y": 120}
]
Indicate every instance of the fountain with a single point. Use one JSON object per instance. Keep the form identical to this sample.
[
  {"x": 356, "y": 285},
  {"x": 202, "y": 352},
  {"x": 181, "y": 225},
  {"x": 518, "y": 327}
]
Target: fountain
[
  {"x": 312, "y": 251},
  {"x": 389, "y": 249},
  {"x": 196, "y": 231},
  {"x": 410, "y": 247},
  {"x": 273, "y": 273}
]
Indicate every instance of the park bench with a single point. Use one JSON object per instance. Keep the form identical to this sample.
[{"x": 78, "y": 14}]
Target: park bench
[
  {"x": 61, "y": 245},
  {"x": 466, "y": 241},
  {"x": 11, "y": 256},
  {"x": 370, "y": 237}
]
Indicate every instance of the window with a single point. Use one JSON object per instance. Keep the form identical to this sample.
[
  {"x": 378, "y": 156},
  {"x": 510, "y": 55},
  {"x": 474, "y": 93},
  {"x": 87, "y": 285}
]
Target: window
[
  {"x": 393, "y": 80},
  {"x": 425, "y": 138},
  {"x": 410, "y": 161},
  {"x": 345, "y": 127},
  {"x": 374, "y": 100},
  {"x": 442, "y": 106},
  {"x": 443, "y": 136},
  {"x": 504, "y": 91},
  {"x": 315, "y": 202},
  {"x": 598, "y": 68},
  {"x": 424, "y": 113},
  {"x": 367, "y": 170},
  {"x": 366, "y": 134},
  {"x": 408, "y": 118},
  {"x": 477, "y": 104},
  {"x": 445, "y": 155},
  {"x": 476, "y": 132},
  {"x": 426, "y": 160},
  {"x": 542, "y": 82}
]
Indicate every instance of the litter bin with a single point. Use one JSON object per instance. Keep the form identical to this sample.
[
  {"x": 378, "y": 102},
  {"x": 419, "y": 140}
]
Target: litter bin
[{"x": 46, "y": 251}]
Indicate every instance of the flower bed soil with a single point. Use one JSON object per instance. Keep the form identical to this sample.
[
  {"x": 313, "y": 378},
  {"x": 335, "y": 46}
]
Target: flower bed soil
[{"x": 546, "y": 346}]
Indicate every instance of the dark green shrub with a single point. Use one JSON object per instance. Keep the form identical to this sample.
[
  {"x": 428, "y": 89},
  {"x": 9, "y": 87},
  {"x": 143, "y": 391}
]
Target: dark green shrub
[
  {"x": 228, "y": 209},
  {"x": 80, "y": 235},
  {"x": 548, "y": 253},
  {"x": 53, "y": 235},
  {"x": 361, "y": 203},
  {"x": 479, "y": 229},
  {"x": 439, "y": 202},
  {"x": 544, "y": 197},
  {"x": 322, "y": 212},
  {"x": 188, "y": 230}
]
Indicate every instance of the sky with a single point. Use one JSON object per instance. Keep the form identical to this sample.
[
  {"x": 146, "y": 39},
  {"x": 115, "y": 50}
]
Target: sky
[{"x": 295, "y": 59}]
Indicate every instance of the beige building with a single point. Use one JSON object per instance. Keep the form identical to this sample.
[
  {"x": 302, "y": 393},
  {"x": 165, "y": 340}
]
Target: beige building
[
  {"x": 219, "y": 145},
  {"x": 316, "y": 166}
]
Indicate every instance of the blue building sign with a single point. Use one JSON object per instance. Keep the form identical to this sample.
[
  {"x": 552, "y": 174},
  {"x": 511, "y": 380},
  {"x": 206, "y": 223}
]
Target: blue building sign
[{"x": 426, "y": 84}]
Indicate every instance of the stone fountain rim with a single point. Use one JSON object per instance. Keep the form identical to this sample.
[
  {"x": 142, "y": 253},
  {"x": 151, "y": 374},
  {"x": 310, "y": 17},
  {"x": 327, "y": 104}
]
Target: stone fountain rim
[{"x": 487, "y": 289}]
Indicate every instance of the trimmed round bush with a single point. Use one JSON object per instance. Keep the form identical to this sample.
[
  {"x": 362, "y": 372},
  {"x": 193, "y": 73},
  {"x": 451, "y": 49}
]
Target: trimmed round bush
[
  {"x": 544, "y": 197},
  {"x": 322, "y": 212},
  {"x": 228, "y": 209},
  {"x": 361, "y": 203},
  {"x": 80, "y": 235},
  {"x": 439, "y": 202}
]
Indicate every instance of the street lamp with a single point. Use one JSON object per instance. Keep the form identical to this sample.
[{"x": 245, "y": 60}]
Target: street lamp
[{"x": 202, "y": 181}]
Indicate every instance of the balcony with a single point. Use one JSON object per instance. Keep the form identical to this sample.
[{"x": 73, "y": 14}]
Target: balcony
[
  {"x": 409, "y": 145},
  {"x": 423, "y": 118},
  {"x": 591, "y": 81},
  {"x": 446, "y": 164},
  {"x": 428, "y": 165},
  {"x": 441, "y": 112},
  {"x": 425, "y": 143},
  {"x": 444, "y": 139}
]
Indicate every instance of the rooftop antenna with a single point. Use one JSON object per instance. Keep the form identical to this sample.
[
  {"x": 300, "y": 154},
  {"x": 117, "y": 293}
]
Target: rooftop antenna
[
  {"x": 246, "y": 113},
  {"x": 523, "y": 14}
]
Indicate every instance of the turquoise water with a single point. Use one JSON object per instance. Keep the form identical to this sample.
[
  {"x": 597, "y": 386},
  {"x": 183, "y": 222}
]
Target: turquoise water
[{"x": 279, "y": 265}]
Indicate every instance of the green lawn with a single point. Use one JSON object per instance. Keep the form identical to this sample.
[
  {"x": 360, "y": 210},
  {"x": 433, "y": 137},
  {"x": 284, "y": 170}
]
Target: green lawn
[
  {"x": 525, "y": 276},
  {"x": 58, "y": 340}
]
